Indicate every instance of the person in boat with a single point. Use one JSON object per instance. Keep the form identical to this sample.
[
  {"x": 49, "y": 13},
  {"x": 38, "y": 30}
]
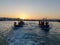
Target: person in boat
[
  {"x": 39, "y": 22},
  {"x": 42, "y": 23},
  {"x": 46, "y": 23},
  {"x": 21, "y": 23},
  {"x": 15, "y": 24}
]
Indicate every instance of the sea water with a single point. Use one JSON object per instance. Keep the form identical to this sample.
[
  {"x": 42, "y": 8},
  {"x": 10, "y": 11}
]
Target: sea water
[{"x": 30, "y": 33}]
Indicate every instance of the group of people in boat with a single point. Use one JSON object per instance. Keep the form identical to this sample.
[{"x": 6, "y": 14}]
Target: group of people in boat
[
  {"x": 44, "y": 23},
  {"x": 20, "y": 23}
]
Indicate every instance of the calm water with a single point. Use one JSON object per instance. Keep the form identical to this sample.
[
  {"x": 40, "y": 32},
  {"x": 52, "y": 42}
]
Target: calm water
[{"x": 30, "y": 34}]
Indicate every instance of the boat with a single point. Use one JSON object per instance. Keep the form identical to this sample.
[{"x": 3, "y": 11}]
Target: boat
[
  {"x": 20, "y": 24},
  {"x": 44, "y": 25}
]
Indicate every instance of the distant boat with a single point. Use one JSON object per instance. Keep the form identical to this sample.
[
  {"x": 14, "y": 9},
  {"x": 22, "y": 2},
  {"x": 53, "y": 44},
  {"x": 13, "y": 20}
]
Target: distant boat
[
  {"x": 44, "y": 25},
  {"x": 20, "y": 24}
]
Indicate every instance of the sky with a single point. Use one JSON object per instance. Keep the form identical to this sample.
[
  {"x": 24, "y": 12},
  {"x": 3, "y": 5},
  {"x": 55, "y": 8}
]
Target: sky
[{"x": 30, "y": 9}]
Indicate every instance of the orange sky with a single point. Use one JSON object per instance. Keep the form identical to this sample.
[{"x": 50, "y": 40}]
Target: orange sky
[{"x": 30, "y": 9}]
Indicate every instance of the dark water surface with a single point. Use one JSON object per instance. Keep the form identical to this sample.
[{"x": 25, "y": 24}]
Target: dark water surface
[{"x": 30, "y": 33}]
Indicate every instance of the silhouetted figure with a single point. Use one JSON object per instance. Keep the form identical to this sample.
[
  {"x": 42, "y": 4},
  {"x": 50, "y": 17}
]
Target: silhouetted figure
[
  {"x": 39, "y": 22},
  {"x": 21, "y": 23},
  {"x": 14, "y": 23},
  {"x": 46, "y": 23},
  {"x": 42, "y": 23}
]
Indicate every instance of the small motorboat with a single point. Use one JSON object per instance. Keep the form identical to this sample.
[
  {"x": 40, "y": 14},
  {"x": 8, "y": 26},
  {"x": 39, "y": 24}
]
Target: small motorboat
[
  {"x": 44, "y": 25},
  {"x": 20, "y": 24}
]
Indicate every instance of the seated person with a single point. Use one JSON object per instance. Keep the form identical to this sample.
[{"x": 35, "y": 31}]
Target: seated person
[{"x": 21, "y": 23}]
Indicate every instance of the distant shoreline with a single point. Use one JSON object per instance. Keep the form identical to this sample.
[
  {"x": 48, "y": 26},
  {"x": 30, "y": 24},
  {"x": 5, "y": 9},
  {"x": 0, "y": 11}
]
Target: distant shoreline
[{"x": 16, "y": 19}]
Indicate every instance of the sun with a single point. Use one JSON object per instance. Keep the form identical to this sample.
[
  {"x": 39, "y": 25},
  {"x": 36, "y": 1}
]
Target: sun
[{"x": 22, "y": 18}]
